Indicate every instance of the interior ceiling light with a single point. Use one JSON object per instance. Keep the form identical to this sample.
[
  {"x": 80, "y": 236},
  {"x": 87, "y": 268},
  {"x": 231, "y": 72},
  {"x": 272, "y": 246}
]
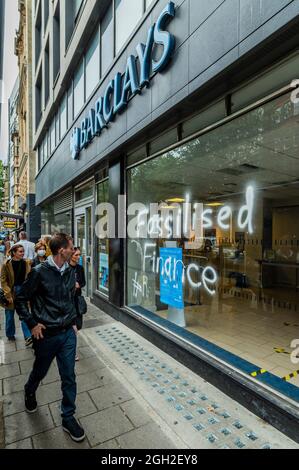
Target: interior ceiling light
[
  {"x": 175, "y": 200},
  {"x": 215, "y": 204}
]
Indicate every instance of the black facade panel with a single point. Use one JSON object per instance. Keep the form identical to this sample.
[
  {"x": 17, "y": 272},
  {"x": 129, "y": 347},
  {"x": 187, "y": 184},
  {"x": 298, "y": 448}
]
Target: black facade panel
[{"x": 116, "y": 245}]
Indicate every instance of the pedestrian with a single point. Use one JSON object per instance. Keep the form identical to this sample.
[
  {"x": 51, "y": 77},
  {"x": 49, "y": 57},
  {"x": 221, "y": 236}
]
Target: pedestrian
[
  {"x": 2, "y": 252},
  {"x": 46, "y": 239},
  {"x": 50, "y": 289},
  {"x": 80, "y": 283},
  {"x": 13, "y": 274},
  {"x": 40, "y": 251},
  {"x": 29, "y": 247},
  {"x": 9, "y": 242}
]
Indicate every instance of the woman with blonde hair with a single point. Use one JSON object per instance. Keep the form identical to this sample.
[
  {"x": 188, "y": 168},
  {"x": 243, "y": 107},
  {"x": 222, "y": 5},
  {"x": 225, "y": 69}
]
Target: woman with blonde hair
[
  {"x": 40, "y": 250},
  {"x": 46, "y": 240}
]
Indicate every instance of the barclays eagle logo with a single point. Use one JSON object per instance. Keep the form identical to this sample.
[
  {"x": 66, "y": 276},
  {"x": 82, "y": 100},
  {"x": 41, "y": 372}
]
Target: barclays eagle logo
[{"x": 75, "y": 143}]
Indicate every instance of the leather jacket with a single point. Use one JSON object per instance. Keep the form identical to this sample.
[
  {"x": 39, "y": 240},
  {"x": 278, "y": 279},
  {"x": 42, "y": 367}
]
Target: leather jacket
[{"x": 51, "y": 295}]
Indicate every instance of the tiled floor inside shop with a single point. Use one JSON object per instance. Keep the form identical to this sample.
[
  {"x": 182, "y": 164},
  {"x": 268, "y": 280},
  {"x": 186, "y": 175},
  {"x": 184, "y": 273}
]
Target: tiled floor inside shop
[{"x": 257, "y": 331}]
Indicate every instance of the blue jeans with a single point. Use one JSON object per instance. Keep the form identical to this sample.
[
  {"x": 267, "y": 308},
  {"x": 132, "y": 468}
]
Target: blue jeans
[
  {"x": 63, "y": 347},
  {"x": 10, "y": 327}
]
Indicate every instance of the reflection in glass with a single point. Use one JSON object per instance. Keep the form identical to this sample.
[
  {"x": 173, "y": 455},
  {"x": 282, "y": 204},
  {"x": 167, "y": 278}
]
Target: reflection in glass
[
  {"x": 103, "y": 245},
  {"x": 240, "y": 282}
]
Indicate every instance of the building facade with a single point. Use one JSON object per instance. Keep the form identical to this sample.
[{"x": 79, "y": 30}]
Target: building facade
[
  {"x": 190, "y": 113},
  {"x": 13, "y": 149},
  {"x": 27, "y": 156},
  {"x": 2, "y": 16},
  {"x": 5, "y": 196}
]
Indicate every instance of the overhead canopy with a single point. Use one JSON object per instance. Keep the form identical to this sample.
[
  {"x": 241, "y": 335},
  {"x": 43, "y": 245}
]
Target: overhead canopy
[{"x": 11, "y": 216}]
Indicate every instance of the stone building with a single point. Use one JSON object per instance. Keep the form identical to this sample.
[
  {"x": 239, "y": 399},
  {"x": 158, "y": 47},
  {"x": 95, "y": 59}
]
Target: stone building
[{"x": 27, "y": 163}]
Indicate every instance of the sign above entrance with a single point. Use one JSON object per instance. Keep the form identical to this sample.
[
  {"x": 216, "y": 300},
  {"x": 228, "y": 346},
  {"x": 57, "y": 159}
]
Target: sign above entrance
[
  {"x": 125, "y": 86},
  {"x": 9, "y": 224}
]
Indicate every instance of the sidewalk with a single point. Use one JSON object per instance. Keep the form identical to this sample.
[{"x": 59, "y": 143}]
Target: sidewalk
[
  {"x": 130, "y": 395},
  {"x": 104, "y": 406}
]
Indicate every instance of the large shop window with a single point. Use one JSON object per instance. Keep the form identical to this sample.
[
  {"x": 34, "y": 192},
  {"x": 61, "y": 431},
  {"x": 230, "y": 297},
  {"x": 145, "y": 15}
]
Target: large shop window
[
  {"x": 102, "y": 243},
  {"x": 228, "y": 269},
  {"x": 55, "y": 223}
]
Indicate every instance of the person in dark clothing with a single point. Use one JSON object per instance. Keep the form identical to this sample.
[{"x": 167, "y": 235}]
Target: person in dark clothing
[
  {"x": 80, "y": 283},
  {"x": 13, "y": 274},
  {"x": 40, "y": 250},
  {"x": 50, "y": 289}
]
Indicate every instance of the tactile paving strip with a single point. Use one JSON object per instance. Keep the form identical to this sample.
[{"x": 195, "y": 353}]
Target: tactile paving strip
[{"x": 217, "y": 426}]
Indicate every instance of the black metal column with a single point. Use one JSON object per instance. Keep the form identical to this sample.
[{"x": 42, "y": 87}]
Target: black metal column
[
  {"x": 116, "y": 245},
  {"x": 33, "y": 225}
]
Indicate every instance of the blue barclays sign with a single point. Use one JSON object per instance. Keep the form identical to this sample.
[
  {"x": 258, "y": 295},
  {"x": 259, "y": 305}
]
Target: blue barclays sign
[{"x": 125, "y": 86}]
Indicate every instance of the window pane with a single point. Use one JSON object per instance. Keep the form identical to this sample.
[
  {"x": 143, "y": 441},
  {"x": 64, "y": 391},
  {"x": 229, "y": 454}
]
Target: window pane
[
  {"x": 127, "y": 15},
  {"x": 107, "y": 40},
  {"x": 55, "y": 223},
  {"x": 231, "y": 265},
  {"x": 77, "y": 5},
  {"x": 63, "y": 117},
  {"x": 103, "y": 244},
  {"x": 52, "y": 132},
  {"x": 79, "y": 90},
  {"x": 148, "y": 3},
  {"x": 45, "y": 152},
  {"x": 70, "y": 106},
  {"x": 57, "y": 125},
  {"x": 92, "y": 65}
]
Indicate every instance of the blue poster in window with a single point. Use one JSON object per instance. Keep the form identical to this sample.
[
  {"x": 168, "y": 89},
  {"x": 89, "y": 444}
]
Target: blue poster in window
[{"x": 171, "y": 277}]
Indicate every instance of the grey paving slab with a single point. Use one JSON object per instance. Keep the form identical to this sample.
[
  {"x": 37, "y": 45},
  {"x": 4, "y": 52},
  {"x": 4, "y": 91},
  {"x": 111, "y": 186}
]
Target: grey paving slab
[
  {"x": 85, "y": 352},
  {"x": 9, "y": 370},
  {"x": 14, "y": 384},
  {"x": 24, "y": 444},
  {"x": 149, "y": 436},
  {"x": 89, "y": 365},
  {"x": 90, "y": 381},
  {"x": 84, "y": 405},
  {"x": 13, "y": 403},
  {"x": 105, "y": 376},
  {"x": 2, "y": 440},
  {"x": 22, "y": 425},
  {"x": 81, "y": 342},
  {"x": 49, "y": 393},
  {"x": 135, "y": 413},
  {"x": 26, "y": 366},
  {"x": 1, "y": 387},
  {"x": 16, "y": 356},
  {"x": 57, "y": 439},
  {"x": 52, "y": 375},
  {"x": 10, "y": 347},
  {"x": 91, "y": 323},
  {"x": 21, "y": 346},
  {"x": 112, "y": 444},
  {"x": 110, "y": 395},
  {"x": 105, "y": 425}
]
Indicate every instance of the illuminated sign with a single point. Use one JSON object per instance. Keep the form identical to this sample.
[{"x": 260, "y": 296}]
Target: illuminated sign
[{"x": 127, "y": 85}]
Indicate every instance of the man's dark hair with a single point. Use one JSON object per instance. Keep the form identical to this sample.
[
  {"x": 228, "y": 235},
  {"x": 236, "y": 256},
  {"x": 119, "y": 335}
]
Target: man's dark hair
[{"x": 58, "y": 241}]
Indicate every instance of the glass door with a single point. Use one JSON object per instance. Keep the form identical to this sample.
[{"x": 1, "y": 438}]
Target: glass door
[{"x": 83, "y": 240}]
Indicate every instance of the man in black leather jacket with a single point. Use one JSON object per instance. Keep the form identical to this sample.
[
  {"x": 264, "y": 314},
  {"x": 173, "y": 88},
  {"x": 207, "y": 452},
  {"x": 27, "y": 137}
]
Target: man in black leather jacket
[{"x": 50, "y": 290}]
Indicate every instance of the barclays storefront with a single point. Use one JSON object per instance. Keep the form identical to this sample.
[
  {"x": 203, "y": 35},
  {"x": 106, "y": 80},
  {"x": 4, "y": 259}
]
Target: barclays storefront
[{"x": 191, "y": 135}]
